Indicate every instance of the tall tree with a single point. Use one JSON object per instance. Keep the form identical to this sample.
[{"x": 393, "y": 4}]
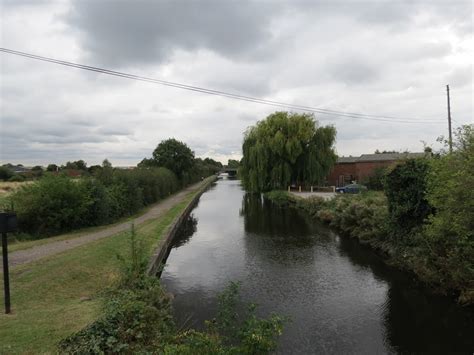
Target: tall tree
[
  {"x": 285, "y": 148},
  {"x": 174, "y": 155}
]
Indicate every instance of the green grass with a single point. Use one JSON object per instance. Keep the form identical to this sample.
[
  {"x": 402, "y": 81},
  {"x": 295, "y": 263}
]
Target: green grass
[{"x": 59, "y": 295}]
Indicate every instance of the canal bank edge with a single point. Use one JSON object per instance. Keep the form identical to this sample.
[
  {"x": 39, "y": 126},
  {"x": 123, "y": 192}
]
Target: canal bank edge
[
  {"x": 392, "y": 255},
  {"x": 161, "y": 251}
]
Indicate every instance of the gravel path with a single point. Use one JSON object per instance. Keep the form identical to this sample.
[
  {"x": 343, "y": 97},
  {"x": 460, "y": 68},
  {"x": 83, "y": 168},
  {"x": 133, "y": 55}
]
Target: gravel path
[{"x": 29, "y": 255}]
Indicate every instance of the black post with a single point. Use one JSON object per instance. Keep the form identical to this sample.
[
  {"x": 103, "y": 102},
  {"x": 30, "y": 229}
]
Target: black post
[{"x": 6, "y": 276}]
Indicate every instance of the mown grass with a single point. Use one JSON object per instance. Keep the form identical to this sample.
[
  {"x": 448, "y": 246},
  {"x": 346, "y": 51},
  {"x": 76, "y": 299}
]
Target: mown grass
[{"x": 59, "y": 295}]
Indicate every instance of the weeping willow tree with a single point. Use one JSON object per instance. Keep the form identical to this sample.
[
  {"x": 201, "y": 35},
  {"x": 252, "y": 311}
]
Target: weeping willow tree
[{"x": 286, "y": 148}]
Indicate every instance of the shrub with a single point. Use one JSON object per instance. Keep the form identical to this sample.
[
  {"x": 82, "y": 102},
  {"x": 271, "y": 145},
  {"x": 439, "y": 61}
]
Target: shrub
[
  {"x": 52, "y": 205},
  {"x": 5, "y": 173},
  {"x": 405, "y": 188},
  {"x": 57, "y": 204},
  {"x": 449, "y": 233},
  {"x": 17, "y": 178}
]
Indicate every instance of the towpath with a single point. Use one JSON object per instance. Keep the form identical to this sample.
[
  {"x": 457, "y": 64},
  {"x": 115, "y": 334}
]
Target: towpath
[{"x": 41, "y": 251}]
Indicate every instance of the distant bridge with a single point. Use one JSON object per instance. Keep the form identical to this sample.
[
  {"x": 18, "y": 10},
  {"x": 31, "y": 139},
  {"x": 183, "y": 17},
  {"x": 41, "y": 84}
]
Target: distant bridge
[{"x": 230, "y": 171}]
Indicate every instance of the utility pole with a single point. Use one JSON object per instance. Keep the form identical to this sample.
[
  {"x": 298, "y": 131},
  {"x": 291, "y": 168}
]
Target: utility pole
[{"x": 449, "y": 122}]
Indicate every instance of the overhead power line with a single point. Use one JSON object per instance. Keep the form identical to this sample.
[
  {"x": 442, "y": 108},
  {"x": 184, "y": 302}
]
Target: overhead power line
[{"x": 223, "y": 93}]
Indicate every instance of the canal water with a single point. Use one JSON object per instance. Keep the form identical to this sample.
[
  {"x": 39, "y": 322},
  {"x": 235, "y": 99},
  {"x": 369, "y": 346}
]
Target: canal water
[{"x": 340, "y": 297}]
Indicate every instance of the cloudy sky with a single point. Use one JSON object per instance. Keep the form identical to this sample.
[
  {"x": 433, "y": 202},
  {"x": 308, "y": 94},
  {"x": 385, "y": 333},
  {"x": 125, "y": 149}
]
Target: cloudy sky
[{"x": 385, "y": 58}]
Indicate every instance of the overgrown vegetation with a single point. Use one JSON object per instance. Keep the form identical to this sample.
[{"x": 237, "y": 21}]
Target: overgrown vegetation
[
  {"x": 57, "y": 204},
  {"x": 286, "y": 148},
  {"x": 424, "y": 220},
  {"x": 137, "y": 319},
  {"x": 102, "y": 194},
  {"x": 59, "y": 295}
]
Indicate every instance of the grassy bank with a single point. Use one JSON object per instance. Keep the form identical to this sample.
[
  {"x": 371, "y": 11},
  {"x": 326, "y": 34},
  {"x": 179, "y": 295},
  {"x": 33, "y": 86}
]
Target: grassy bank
[
  {"x": 366, "y": 217},
  {"x": 59, "y": 295}
]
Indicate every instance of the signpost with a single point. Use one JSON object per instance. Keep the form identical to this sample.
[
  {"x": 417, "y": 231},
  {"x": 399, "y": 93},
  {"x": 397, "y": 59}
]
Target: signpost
[{"x": 8, "y": 223}]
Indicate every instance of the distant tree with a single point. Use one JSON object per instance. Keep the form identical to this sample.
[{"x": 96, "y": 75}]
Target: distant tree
[
  {"x": 233, "y": 164},
  {"x": 93, "y": 169},
  {"x": 105, "y": 174},
  {"x": 175, "y": 156},
  {"x": 106, "y": 164},
  {"x": 213, "y": 162},
  {"x": 284, "y": 148},
  {"x": 52, "y": 167},
  {"x": 81, "y": 165},
  {"x": 36, "y": 171},
  {"x": 147, "y": 163},
  {"x": 5, "y": 173},
  {"x": 385, "y": 151}
]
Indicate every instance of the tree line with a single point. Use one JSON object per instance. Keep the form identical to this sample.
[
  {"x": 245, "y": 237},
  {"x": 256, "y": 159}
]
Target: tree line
[{"x": 57, "y": 204}]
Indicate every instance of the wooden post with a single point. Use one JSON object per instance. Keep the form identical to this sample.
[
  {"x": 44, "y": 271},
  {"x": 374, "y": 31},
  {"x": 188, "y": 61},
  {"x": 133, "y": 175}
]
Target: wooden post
[
  {"x": 311, "y": 188},
  {"x": 289, "y": 188},
  {"x": 300, "y": 188}
]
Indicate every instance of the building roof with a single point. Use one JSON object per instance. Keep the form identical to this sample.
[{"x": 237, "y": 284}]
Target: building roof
[{"x": 380, "y": 157}]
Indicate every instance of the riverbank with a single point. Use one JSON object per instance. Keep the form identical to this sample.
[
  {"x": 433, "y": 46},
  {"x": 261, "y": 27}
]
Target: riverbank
[
  {"x": 61, "y": 294},
  {"x": 365, "y": 217}
]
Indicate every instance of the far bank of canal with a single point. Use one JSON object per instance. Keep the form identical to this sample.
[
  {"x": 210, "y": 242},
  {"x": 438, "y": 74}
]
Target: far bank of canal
[{"x": 340, "y": 296}]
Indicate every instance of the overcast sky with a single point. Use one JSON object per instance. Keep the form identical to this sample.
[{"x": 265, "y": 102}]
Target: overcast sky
[{"x": 390, "y": 58}]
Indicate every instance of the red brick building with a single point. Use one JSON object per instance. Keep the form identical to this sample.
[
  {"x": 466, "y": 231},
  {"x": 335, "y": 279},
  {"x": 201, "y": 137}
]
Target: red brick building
[{"x": 349, "y": 169}]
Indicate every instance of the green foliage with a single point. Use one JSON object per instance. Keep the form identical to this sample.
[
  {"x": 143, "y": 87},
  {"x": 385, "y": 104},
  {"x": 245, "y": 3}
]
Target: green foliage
[
  {"x": 377, "y": 179},
  {"x": 405, "y": 188},
  {"x": 76, "y": 165},
  {"x": 5, "y": 173},
  {"x": 450, "y": 231},
  {"x": 57, "y": 204},
  {"x": 284, "y": 148},
  {"x": 52, "y": 167},
  {"x": 232, "y": 163},
  {"x": 52, "y": 205},
  {"x": 279, "y": 197},
  {"x": 362, "y": 216},
  {"x": 175, "y": 156},
  {"x": 205, "y": 167},
  {"x": 17, "y": 178}
]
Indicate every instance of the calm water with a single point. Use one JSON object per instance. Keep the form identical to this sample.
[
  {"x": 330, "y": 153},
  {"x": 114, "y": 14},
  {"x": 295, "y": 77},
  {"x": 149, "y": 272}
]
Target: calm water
[{"x": 340, "y": 297}]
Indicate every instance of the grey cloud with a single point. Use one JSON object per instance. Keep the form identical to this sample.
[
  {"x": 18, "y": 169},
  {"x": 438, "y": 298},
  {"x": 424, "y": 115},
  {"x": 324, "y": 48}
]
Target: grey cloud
[
  {"x": 353, "y": 69},
  {"x": 133, "y": 32}
]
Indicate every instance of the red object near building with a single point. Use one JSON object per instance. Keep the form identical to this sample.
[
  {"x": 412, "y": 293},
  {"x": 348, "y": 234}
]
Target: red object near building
[{"x": 359, "y": 169}]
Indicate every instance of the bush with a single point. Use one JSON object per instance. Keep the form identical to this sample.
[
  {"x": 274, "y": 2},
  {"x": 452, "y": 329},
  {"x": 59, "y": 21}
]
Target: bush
[
  {"x": 57, "y": 204},
  {"x": 5, "y": 173},
  {"x": 17, "y": 178},
  {"x": 377, "y": 179},
  {"x": 449, "y": 233},
  {"x": 363, "y": 216},
  {"x": 405, "y": 188},
  {"x": 53, "y": 205}
]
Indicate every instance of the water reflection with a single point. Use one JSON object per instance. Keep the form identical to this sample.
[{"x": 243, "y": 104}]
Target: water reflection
[
  {"x": 341, "y": 297},
  {"x": 186, "y": 230}
]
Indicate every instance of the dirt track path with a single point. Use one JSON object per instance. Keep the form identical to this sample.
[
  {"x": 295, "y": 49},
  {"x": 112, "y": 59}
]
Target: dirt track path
[{"x": 35, "y": 253}]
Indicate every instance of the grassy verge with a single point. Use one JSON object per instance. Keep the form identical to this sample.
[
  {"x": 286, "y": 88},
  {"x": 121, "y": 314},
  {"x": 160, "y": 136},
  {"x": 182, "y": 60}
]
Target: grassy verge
[
  {"x": 18, "y": 244},
  {"x": 59, "y": 295}
]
